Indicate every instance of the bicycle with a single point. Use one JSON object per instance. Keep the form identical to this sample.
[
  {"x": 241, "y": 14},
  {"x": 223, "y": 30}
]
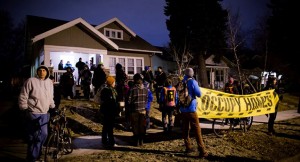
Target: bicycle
[
  {"x": 223, "y": 126},
  {"x": 59, "y": 140}
]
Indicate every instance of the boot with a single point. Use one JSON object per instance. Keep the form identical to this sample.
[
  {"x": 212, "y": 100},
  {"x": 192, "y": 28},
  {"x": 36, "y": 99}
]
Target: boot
[{"x": 136, "y": 140}]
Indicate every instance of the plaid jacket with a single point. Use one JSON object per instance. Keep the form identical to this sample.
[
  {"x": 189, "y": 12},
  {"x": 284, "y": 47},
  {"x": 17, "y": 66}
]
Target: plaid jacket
[{"x": 138, "y": 98}]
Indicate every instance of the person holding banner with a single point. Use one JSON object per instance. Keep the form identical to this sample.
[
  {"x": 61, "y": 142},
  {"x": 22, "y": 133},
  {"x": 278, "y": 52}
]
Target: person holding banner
[
  {"x": 190, "y": 117},
  {"x": 231, "y": 87},
  {"x": 272, "y": 84}
]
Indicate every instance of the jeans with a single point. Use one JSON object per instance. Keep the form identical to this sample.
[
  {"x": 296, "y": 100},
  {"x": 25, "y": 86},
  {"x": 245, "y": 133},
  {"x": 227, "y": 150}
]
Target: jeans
[
  {"x": 167, "y": 112},
  {"x": 37, "y": 131}
]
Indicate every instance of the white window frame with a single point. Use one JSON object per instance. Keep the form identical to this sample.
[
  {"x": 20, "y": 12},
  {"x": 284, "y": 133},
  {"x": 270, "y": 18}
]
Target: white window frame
[
  {"x": 113, "y": 33},
  {"x": 125, "y": 67}
]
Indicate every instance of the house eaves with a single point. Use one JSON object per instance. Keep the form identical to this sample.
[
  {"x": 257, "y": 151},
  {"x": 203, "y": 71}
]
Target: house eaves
[
  {"x": 136, "y": 44},
  {"x": 119, "y": 22},
  {"x": 73, "y": 23}
]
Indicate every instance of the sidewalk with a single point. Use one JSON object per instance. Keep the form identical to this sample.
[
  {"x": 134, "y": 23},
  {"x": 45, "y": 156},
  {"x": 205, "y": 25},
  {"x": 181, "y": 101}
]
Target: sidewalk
[{"x": 15, "y": 149}]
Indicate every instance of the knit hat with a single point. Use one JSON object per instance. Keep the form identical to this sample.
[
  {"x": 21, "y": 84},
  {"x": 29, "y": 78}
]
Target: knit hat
[
  {"x": 110, "y": 80},
  {"x": 43, "y": 67},
  {"x": 189, "y": 72}
]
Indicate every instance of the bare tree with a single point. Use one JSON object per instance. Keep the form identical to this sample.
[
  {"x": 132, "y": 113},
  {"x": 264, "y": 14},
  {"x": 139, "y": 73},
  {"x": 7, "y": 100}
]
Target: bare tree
[
  {"x": 182, "y": 57},
  {"x": 234, "y": 26}
]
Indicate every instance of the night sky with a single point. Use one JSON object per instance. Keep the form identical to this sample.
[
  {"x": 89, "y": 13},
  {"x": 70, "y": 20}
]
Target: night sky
[{"x": 145, "y": 17}]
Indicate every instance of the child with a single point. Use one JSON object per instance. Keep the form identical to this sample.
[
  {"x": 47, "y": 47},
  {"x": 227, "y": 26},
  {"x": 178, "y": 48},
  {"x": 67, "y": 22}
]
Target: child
[{"x": 168, "y": 100}]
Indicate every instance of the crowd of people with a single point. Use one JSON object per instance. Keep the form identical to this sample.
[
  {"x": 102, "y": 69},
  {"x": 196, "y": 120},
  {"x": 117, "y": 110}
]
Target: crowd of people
[{"x": 39, "y": 95}]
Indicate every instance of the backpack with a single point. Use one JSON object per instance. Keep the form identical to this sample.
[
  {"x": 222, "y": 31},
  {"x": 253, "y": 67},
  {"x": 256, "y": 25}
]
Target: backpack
[
  {"x": 184, "y": 99},
  {"x": 170, "y": 94},
  {"x": 97, "y": 97}
]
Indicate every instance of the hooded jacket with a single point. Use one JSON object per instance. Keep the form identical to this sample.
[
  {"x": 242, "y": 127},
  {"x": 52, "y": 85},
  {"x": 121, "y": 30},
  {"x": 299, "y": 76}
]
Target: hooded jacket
[
  {"x": 37, "y": 94},
  {"x": 194, "y": 91}
]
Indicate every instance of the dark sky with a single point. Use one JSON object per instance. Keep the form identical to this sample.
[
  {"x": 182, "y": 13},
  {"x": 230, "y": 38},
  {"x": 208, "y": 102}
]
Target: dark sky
[{"x": 145, "y": 17}]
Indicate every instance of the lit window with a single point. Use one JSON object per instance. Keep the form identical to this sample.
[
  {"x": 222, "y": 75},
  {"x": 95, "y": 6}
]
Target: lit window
[
  {"x": 139, "y": 65},
  {"x": 131, "y": 65}
]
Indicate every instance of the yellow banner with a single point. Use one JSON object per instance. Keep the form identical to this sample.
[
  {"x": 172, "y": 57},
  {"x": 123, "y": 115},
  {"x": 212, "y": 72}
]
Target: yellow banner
[{"x": 217, "y": 104}]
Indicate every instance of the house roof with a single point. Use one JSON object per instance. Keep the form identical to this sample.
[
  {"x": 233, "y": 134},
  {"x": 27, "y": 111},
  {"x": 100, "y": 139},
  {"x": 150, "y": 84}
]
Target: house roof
[
  {"x": 67, "y": 25},
  {"x": 40, "y": 28},
  {"x": 165, "y": 54},
  {"x": 119, "y": 22},
  {"x": 136, "y": 43}
]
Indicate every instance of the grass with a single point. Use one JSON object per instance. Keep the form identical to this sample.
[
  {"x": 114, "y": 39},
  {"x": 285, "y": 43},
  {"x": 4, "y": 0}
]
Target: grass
[{"x": 289, "y": 102}]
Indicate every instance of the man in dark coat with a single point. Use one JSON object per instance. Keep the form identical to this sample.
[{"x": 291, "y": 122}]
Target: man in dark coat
[{"x": 99, "y": 77}]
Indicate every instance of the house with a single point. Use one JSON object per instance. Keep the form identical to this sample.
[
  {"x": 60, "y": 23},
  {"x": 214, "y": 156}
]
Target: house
[
  {"x": 111, "y": 42},
  {"x": 217, "y": 73}
]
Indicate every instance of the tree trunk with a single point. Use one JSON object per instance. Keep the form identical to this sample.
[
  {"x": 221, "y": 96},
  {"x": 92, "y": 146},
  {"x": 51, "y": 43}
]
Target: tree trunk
[{"x": 202, "y": 71}]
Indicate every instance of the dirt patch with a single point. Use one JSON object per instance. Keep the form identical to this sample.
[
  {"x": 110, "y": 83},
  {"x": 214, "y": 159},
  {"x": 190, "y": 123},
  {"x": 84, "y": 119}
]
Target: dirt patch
[{"x": 254, "y": 145}]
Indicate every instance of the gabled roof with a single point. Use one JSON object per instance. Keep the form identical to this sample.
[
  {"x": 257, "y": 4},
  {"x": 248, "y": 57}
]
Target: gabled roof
[
  {"x": 136, "y": 43},
  {"x": 119, "y": 22},
  {"x": 39, "y": 28},
  {"x": 71, "y": 24}
]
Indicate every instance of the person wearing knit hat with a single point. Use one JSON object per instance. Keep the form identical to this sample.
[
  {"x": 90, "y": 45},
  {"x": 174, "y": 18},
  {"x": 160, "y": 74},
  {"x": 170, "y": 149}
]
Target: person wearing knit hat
[
  {"x": 110, "y": 109},
  {"x": 110, "y": 81},
  {"x": 189, "y": 72},
  {"x": 190, "y": 120},
  {"x": 35, "y": 99}
]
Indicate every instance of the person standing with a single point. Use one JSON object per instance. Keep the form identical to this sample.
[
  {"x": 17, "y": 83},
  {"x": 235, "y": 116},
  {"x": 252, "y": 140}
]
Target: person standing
[
  {"x": 190, "y": 117},
  {"x": 121, "y": 82},
  {"x": 272, "y": 84},
  {"x": 137, "y": 99},
  {"x": 169, "y": 100},
  {"x": 68, "y": 64},
  {"x": 99, "y": 77},
  {"x": 231, "y": 87},
  {"x": 109, "y": 109},
  {"x": 35, "y": 99},
  {"x": 67, "y": 83},
  {"x": 80, "y": 66},
  {"x": 160, "y": 79},
  {"x": 86, "y": 80},
  {"x": 61, "y": 65},
  {"x": 148, "y": 105},
  {"x": 57, "y": 93},
  {"x": 148, "y": 76}
]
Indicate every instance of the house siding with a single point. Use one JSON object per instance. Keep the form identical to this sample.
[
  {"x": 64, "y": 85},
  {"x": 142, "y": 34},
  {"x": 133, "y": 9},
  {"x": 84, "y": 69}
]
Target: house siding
[{"x": 74, "y": 37}]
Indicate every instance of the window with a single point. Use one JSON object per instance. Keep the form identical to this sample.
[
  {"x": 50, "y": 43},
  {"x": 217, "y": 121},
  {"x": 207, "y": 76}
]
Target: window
[
  {"x": 113, "y": 33},
  {"x": 107, "y": 33},
  {"x": 139, "y": 65},
  {"x": 219, "y": 75},
  {"x": 112, "y": 64},
  {"x": 131, "y": 65}
]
